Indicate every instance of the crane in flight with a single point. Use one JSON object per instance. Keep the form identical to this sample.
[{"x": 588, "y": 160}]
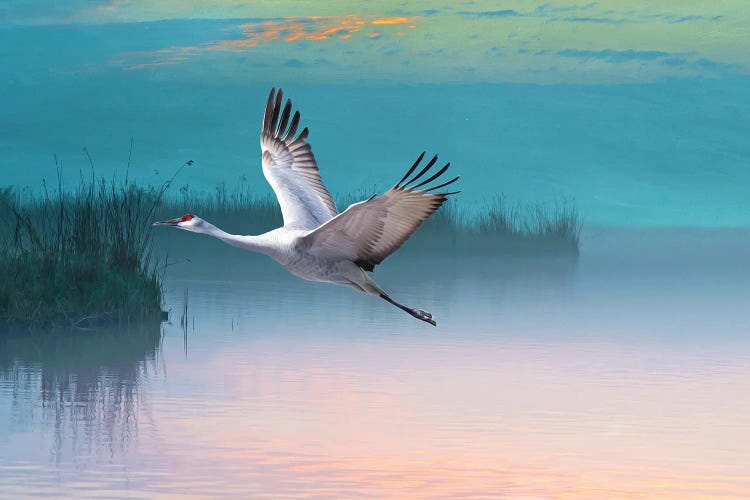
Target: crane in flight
[{"x": 317, "y": 242}]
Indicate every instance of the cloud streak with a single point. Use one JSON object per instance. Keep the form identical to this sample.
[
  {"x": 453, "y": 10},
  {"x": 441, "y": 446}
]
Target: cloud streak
[
  {"x": 543, "y": 42},
  {"x": 596, "y": 20},
  {"x": 614, "y": 56},
  {"x": 492, "y": 13},
  {"x": 687, "y": 61},
  {"x": 263, "y": 33}
]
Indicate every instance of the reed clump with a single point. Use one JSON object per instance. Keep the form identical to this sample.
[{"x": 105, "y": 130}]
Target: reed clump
[{"x": 79, "y": 258}]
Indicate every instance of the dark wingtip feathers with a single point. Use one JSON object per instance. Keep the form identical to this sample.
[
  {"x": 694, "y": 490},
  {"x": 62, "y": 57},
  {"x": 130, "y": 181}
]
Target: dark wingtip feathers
[
  {"x": 293, "y": 127},
  {"x": 423, "y": 171},
  {"x": 276, "y": 119},
  {"x": 405, "y": 185},
  {"x": 434, "y": 176},
  {"x": 417, "y": 162},
  {"x": 269, "y": 110},
  {"x": 284, "y": 117},
  {"x": 443, "y": 185}
]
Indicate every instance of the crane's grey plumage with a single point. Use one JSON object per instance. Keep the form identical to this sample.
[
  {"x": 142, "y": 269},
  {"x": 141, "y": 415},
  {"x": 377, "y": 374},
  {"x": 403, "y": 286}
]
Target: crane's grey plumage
[{"x": 317, "y": 242}]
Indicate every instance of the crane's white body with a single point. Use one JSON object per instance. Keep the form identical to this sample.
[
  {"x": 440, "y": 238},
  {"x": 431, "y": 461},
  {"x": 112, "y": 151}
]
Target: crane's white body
[
  {"x": 287, "y": 247},
  {"x": 317, "y": 242}
]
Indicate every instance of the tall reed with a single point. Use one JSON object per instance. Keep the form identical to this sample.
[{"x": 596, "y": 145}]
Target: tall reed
[{"x": 78, "y": 258}]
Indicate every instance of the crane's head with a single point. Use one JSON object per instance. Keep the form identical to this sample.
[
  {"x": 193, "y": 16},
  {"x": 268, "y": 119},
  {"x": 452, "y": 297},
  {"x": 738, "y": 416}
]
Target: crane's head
[{"x": 188, "y": 222}]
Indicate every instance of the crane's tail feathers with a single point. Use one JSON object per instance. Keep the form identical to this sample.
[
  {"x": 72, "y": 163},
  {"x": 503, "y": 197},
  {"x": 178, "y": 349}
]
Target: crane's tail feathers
[{"x": 417, "y": 313}]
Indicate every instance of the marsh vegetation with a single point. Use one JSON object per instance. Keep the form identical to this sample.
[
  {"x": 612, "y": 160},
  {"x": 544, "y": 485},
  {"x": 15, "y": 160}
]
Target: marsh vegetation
[
  {"x": 79, "y": 258},
  {"x": 84, "y": 257}
]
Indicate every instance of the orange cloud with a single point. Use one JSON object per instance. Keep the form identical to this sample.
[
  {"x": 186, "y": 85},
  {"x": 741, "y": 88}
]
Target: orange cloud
[
  {"x": 289, "y": 30},
  {"x": 294, "y": 36},
  {"x": 395, "y": 20}
]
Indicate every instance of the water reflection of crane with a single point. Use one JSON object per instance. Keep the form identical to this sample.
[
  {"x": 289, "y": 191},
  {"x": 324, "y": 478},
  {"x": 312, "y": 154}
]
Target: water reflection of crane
[{"x": 317, "y": 242}]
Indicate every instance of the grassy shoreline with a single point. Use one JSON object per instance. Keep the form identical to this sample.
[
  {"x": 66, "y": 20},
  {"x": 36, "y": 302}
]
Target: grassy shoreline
[
  {"x": 84, "y": 259},
  {"x": 78, "y": 259}
]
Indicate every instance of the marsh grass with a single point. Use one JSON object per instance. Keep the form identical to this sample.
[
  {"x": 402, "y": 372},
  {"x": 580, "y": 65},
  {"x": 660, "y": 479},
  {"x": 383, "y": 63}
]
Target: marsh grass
[
  {"x": 80, "y": 258},
  {"x": 500, "y": 227}
]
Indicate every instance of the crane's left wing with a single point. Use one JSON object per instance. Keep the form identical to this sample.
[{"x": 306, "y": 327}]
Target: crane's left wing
[
  {"x": 369, "y": 231},
  {"x": 290, "y": 168}
]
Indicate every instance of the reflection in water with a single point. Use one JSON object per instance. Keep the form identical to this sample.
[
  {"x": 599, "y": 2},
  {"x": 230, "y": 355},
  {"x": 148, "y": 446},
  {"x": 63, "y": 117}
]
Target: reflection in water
[
  {"x": 84, "y": 387},
  {"x": 617, "y": 376}
]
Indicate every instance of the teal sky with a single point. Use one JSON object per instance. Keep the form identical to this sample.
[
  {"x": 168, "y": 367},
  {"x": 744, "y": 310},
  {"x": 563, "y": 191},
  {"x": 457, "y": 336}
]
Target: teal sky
[
  {"x": 636, "y": 111},
  {"x": 474, "y": 41}
]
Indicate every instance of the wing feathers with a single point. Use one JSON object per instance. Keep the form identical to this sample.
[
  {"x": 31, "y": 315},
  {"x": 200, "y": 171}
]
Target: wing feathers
[
  {"x": 423, "y": 171},
  {"x": 275, "y": 114},
  {"x": 369, "y": 231},
  {"x": 443, "y": 185},
  {"x": 411, "y": 169},
  {"x": 284, "y": 117},
  {"x": 435, "y": 176},
  {"x": 290, "y": 167},
  {"x": 293, "y": 127}
]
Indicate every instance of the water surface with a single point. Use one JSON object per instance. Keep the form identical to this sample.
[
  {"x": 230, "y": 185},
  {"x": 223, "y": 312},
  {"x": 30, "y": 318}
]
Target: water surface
[{"x": 620, "y": 375}]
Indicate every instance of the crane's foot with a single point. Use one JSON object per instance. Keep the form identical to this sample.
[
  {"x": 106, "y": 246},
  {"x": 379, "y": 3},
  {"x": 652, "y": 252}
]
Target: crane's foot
[
  {"x": 417, "y": 313},
  {"x": 424, "y": 316}
]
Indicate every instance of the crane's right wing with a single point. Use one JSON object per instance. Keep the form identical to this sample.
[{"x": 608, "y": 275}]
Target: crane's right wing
[
  {"x": 369, "y": 231},
  {"x": 290, "y": 168}
]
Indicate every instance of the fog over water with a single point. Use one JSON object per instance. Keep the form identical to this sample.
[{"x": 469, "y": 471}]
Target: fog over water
[{"x": 615, "y": 375}]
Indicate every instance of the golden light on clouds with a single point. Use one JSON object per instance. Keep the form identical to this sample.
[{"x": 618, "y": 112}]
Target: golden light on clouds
[
  {"x": 255, "y": 34},
  {"x": 395, "y": 20},
  {"x": 560, "y": 41}
]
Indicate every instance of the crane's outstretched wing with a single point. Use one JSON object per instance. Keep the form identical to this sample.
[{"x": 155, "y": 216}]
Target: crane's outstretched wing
[
  {"x": 289, "y": 167},
  {"x": 369, "y": 231}
]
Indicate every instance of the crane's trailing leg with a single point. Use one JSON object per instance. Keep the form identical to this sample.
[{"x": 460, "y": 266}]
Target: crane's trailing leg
[
  {"x": 359, "y": 280},
  {"x": 417, "y": 313}
]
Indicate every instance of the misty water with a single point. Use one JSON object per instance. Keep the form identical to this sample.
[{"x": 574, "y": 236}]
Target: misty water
[{"x": 619, "y": 374}]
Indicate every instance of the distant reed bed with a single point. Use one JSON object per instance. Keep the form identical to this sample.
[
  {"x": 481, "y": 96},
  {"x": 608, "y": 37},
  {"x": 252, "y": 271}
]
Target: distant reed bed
[
  {"x": 83, "y": 258},
  {"x": 492, "y": 227}
]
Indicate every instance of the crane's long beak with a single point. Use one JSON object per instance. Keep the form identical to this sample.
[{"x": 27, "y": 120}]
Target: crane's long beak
[{"x": 170, "y": 222}]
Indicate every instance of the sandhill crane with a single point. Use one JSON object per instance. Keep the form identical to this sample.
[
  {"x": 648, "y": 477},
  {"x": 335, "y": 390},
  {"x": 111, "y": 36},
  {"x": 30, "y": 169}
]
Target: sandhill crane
[{"x": 317, "y": 242}]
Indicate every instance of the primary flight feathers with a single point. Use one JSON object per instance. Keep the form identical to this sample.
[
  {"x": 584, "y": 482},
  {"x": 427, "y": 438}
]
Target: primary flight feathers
[
  {"x": 366, "y": 232},
  {"x": 369, "y": 231},
  {"x": 290, "y": 167}
]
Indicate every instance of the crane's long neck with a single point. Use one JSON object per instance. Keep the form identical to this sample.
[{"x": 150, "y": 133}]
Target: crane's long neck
[{"x": 260, "y": 244}]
